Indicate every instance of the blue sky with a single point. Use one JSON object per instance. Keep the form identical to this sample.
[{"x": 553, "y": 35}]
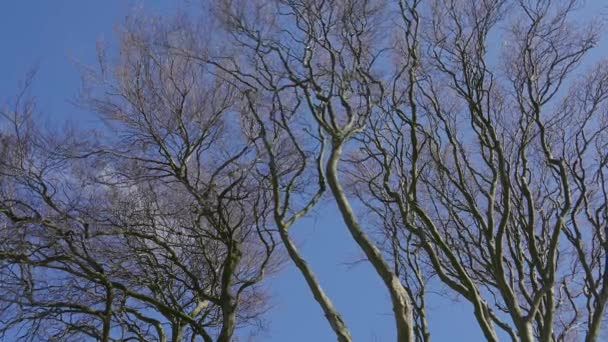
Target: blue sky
[{"x": 54, "y": 35}]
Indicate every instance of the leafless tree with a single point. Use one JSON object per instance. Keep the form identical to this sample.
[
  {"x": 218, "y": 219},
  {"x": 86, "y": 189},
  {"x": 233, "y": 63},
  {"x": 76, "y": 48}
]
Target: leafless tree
[
  {"x": 455, "y": 162},
  {"x": 481, "y": 160},
  {"x": 158, "y": 232},
  {"x": 442, "y": 147},
  {"x": 323, "y": 54}
]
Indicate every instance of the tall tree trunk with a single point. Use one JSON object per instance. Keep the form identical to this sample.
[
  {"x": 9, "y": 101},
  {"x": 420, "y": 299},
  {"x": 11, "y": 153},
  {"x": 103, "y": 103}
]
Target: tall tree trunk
[
  {"x": 227, "y": 298},
  {"x": 177, "y": 329},
  {"x": 107, "y": 319},
  {"x": 331, "y": 314},
  {"x": 402, "y": 307},
  {"x": 595, "y": 323},
  {"x": 228, "y": 323}
]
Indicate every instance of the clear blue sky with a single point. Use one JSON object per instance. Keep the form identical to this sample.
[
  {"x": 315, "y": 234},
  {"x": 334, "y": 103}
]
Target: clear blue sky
[{"x": 52, "y": 35}]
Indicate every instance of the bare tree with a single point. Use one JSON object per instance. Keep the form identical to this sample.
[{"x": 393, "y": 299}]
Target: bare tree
[
  {"x": 481, "y": 163},
  {"x": 324, "y": 53},
  {"x": 159, "y": 232},
  {"x": 455, "y": 163},
  {"x": 447, "y": 144}
]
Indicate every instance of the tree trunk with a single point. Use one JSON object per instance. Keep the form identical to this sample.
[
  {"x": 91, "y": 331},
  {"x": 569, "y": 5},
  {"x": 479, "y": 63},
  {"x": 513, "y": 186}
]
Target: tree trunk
[
  {"x": 228, "y": 324},
  {"x": 594, "y": 328},
  {"x": 107, "y": 319},
  {"x": 331, "y": 314},
  {"x": 176, "y": 332},
  {"x": 227, "y": 298},
  {"x": 402, "y": 307}
]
